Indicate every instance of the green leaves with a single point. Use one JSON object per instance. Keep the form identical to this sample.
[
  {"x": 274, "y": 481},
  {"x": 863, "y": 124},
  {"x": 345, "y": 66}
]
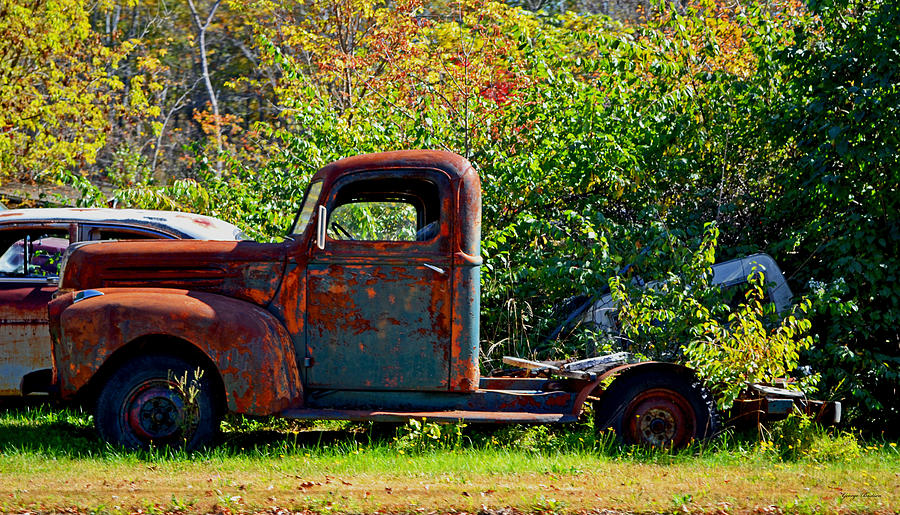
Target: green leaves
[
  {"x": 839, "y": 116},
  {"x": 684, "y": 318},
  {"x": 603, "y": 149},
  {"x": 57, "y": 88}
]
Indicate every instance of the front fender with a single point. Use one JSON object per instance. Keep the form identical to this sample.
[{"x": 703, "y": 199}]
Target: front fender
[{"x": 250, "y": 348}]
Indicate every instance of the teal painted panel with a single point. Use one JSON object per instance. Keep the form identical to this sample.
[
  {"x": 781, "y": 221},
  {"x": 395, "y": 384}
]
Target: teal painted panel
[{"x": 378, "y": 326}]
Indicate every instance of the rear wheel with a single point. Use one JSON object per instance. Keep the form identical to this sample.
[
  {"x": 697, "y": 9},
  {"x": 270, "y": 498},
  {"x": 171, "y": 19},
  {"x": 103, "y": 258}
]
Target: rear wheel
[
  {"x": 158, "y": 401},
  {"x": 660, "y": 409}
]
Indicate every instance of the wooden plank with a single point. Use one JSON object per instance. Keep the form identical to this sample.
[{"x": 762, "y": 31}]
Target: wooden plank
[{"x": 528, "y": 364}]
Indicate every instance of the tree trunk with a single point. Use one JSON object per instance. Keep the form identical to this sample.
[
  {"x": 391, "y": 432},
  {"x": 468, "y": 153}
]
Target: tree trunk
[{"x": 201, "y": 32}]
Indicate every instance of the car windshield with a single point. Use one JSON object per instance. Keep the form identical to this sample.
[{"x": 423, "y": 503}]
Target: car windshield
[{"x": 309, "y": 206}]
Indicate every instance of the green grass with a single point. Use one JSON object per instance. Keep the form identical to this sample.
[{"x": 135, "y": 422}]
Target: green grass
[{"x": 52, "y": 460}]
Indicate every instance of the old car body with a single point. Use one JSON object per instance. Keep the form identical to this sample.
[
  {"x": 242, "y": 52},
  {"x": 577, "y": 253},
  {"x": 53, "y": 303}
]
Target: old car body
[
  {"x": 32, "y": 242},
  {"x": 600, "y": 312},
  {"x": 344, "y": 307}
]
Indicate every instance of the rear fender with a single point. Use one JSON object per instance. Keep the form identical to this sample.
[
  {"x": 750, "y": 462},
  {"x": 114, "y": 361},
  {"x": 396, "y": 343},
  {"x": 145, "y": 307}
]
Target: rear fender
[
  {"x": 249, "y": 347},
  {"x": 645, "y": 367},
  {"x": 596, "y": 388}
]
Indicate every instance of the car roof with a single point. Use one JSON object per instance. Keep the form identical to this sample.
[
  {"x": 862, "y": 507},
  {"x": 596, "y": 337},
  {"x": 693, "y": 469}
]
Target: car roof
[{"x": 176, "y": 223}]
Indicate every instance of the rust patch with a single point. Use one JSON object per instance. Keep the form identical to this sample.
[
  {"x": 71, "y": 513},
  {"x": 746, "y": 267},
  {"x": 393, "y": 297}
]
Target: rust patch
[{"x": 249, "y": 346}]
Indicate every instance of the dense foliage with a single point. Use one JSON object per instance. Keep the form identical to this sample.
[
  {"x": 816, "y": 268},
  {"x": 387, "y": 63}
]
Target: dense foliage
[
  {"x": 839, "y": 214},
  {"x": 58, "y": 89},
  {"x": 606, "y": 150}
]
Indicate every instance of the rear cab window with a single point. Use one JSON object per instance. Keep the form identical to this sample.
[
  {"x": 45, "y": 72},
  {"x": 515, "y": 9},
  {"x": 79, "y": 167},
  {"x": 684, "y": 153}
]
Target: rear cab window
[{"x": 96, "y": 233}]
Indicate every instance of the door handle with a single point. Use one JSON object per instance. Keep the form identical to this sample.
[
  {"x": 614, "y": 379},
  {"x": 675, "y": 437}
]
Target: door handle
[{"x": 435, "y": 268}]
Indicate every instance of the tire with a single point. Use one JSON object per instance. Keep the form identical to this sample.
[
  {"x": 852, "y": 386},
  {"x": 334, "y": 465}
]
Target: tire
[
  {"x": 659, "y": 409},
  {"x": 141, "y": 405}
]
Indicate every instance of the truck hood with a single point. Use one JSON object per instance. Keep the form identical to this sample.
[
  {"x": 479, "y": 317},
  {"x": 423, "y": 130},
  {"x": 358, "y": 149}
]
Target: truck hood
[{"x": 241, "y": 269}]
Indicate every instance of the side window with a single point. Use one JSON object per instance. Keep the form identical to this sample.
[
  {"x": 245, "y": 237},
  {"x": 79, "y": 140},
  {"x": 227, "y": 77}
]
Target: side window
[
  {"x": 736, "y": 294},
  {"x": 386, "y": 210},
  {"x": 118, "y": 233},
  {"x": 379, "y": 221},
  {"x": 309, "y": 207},
  {"x": 32, "y": 253}
]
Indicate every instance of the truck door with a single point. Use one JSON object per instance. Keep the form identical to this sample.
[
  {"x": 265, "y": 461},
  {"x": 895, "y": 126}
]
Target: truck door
[{"x": 378, "y": 295}]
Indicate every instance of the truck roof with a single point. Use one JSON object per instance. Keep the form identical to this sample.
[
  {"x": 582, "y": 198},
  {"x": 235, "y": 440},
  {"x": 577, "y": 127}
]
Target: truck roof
[
  {"x": 184, "y": 225},
  {"x": 456, "y": 166}
]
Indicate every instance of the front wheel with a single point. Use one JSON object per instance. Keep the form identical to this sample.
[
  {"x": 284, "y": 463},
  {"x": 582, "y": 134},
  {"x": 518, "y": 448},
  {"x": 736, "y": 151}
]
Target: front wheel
[
  {"x": 157, "y": 401},
  {"x": 659, "y": 409}
]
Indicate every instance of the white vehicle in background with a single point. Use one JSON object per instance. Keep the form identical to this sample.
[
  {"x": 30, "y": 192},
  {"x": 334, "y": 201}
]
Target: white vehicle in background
[{"x": 601, "y": 314}]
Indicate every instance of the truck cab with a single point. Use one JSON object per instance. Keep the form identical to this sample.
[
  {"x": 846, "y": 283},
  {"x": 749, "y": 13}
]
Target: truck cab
[
  {"x": 369, "y": 310},
  {"x": 391, "y": 271}
]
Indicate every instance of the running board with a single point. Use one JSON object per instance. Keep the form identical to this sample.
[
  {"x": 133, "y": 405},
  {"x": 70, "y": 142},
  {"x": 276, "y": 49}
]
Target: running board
[{"x": 433, "y": 416}]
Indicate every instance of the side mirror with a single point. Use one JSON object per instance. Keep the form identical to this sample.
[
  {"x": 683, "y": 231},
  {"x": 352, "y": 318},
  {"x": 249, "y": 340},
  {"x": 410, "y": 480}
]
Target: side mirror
[{"x": 321, "y": 224}]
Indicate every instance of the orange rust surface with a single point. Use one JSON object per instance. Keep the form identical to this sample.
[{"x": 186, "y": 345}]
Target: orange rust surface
[
  {"x": 259, "y": 373},
  {"x": 240, "y": 269},
  {"x": 354, "y": 306}
]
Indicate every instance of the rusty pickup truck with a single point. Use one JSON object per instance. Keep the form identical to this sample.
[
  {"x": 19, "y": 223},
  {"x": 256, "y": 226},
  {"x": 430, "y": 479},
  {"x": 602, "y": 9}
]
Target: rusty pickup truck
[{"x": 369, "y": 310}]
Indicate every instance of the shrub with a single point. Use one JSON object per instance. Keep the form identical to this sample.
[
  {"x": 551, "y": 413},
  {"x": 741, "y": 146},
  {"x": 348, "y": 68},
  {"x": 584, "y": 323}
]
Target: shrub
[
  {"x": 421, "y": 436},
  {"x": 799, "y": 437}
]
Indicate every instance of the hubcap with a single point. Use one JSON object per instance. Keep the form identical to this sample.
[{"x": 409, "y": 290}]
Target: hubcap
[
  {"x": 657, "y": 426},
  {"x": 660, "y": 417},
  {"x": 154, "y": 411}
]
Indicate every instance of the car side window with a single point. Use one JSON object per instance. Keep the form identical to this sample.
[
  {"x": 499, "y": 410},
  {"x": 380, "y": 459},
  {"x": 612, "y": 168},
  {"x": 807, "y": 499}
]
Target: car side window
[
  {"x": 103, "y": 233},
  {"x": 32, "y": 253}
]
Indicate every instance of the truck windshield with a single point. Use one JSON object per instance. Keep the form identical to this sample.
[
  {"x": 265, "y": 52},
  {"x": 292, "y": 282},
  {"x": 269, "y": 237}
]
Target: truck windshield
[{"x": 309, "y": 206}]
